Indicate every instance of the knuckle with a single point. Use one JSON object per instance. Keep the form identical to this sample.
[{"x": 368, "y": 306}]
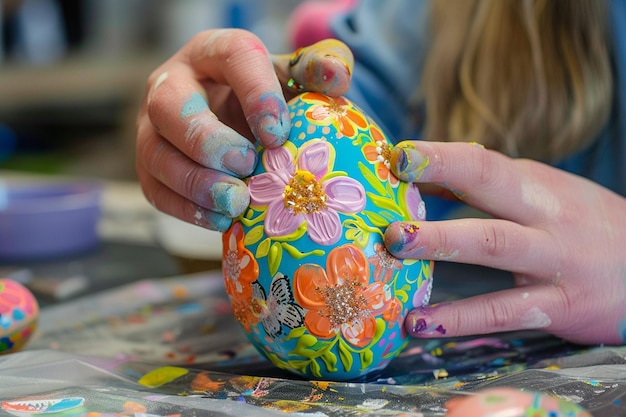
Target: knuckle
[
  {"x": 147, "y": 151},
  {"x": 191, "y": 182},
  {"x": 195, "y": 136},
  {"x": 486, "y": 172},
  {"x": 490, "y": 317},
  {"x": 498, "y": 315},
  {"x": 229, "y": 44},
  {"x": 441, "y": 251},
  {"x": 156, "y": 105},
  {"x": 493, "y": 241},
  {"x": 457, "y": 323}
]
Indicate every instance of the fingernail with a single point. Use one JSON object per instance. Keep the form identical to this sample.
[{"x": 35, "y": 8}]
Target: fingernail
[
  {"x": 229, "y": 199},
  {"x": 270, "y": 122},
  {"x": 216, "y": 221},
  {"x": 408, "y": 163},
  {"x": 401, "y": 239},
  {"x": 240, "y": 161},
  {"x": 212, "y": 220},
  {"x": 422, "y": 324}
]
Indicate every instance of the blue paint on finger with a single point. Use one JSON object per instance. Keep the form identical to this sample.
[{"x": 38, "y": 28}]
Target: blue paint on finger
[
  {"x": 229, "y": 199},
  {"x": 270, "y": 121},
  {"x": 194, "y": 105}
]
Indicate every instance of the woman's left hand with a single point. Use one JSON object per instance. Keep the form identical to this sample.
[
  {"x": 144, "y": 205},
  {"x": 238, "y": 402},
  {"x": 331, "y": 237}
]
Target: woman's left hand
[{"x": 562, "y": 236}]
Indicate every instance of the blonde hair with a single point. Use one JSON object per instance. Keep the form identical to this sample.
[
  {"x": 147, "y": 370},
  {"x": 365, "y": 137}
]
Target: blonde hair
[{"x": 530, "y": 78}]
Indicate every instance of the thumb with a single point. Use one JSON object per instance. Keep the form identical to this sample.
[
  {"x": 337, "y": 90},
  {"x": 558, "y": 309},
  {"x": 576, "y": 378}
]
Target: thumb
[{"x": 324, "y": 67}]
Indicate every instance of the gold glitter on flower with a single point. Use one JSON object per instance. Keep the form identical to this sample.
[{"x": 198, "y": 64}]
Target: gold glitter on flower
[
  {"x": 305, "y": 190},
  {"x": 341, "y": 299}
]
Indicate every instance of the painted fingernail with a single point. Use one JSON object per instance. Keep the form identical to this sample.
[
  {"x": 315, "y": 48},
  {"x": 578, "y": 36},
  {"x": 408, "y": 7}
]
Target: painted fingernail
[
  {"x": 422, "y": 324},
  {"x": 270, "y": 122},
  {"x": 408, "y": 163},
  {"x": 229, "y": 199},
  {"x": 216, "y": 221},
  {"x": 211, "y": 220},
  {"x": 325, "y": 66},
  {"x": 240, "y": 161},
  {"x": 229, "y": 152},
  {"x": 401, "y": 239}
]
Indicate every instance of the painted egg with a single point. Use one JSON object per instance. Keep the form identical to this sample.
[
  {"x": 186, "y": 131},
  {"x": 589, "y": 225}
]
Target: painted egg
[
  {"x": 511, "y": 402},
  {"x": 307, "y": 273},
  {"x": 19, "y": 313}
]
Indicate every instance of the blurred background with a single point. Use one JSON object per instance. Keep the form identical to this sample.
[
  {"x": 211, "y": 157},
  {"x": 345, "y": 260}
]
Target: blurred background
[
  {"x": 72, "y": 76},
  {"x": 72, "y": 73}
]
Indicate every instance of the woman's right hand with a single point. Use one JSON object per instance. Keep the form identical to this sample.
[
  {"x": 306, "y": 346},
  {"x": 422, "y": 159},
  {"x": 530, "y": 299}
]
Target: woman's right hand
[{"x": 207, "y": 108}]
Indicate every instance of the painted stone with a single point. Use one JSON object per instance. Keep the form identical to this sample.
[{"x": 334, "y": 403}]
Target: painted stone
[
  {"x": 307, "y": 273},
  {"x": 19, "y": 314}
]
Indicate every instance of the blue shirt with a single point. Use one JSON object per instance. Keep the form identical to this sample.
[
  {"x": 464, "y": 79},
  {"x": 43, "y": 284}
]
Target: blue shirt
[{"x": 387, "y": 39}]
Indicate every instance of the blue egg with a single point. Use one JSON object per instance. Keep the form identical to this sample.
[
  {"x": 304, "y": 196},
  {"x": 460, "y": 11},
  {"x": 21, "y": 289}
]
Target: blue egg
[{"x": 309, "y": 278}]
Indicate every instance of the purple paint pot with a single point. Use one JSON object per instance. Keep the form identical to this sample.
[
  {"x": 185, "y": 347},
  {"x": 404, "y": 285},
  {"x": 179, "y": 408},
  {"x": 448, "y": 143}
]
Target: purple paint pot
[{"x": 48, "y": 219}]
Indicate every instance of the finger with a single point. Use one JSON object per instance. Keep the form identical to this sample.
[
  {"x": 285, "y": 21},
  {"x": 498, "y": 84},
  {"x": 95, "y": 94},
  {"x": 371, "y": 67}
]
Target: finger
[
  {"x": 485, "y": 179},
  {"x": 172, "y": 203},
  {"x": 324, "y": 67},
  {"x": 208, "y": 188},
  {"x": 239, "y": 59},
  {"x": 437, "y": 190},
  {"x": 543, "y": 307},
  {"x": 501, "y": 311},
  {"x": 494, "y": 243},
  {"x": 192, "y": 127}
]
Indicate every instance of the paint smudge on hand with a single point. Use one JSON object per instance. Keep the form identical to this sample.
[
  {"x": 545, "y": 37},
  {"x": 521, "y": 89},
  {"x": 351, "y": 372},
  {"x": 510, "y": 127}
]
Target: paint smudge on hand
[
  {"x": 534, "y": 318},
  {"x": 420, "y": 323},
  {"x": 324, "y": 67},
  {"x": 229, "y": 199},
  {"x": 160, "y": 79},
  {"x": 407, "y": 163},
  {"x": 194, "y": 105},
  {"x": 401, "y": 239},
  {"x": 270, "y": 121},
  {"x": 212, "y": 220}
]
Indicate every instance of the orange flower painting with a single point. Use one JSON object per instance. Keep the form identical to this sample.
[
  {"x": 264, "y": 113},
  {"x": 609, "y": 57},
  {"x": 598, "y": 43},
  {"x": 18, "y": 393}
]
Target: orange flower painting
[
  {"x": 239, "y": 267},
  {"x": 336, "y": 111},
  {"x": 340, "y": 299},
  {"x": 378, "y": 152}
]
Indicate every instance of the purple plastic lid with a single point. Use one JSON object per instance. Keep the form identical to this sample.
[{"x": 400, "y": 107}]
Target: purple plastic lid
[{"x": 44, "y": 220}]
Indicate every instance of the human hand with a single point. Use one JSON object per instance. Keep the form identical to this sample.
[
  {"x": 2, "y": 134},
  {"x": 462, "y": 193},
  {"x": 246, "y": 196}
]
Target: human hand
[
  {"x": 205, "y": 108},
  {"x": 562, "y": 236}
]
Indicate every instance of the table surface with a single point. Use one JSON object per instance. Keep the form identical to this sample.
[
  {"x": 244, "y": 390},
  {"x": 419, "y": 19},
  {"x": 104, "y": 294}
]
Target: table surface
[
  {"x": 169, "y": 345},
  {"x": 125, "y": 327}
]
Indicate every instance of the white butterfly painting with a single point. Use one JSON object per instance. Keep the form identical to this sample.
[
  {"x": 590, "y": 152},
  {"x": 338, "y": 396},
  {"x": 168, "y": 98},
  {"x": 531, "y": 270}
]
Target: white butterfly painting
[{"x": 280, "y": 308}]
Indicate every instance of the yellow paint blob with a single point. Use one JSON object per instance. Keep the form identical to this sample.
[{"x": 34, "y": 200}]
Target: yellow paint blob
[{"x": 162, "y": 376}]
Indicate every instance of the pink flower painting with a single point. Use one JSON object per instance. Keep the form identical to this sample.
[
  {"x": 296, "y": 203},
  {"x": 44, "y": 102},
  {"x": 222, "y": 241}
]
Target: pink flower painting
[{"x": 305, "y": 190}]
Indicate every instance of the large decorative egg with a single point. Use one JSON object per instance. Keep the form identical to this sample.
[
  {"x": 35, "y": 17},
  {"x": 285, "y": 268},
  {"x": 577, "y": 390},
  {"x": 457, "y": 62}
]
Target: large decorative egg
[
  {"x": 307, "y": 273},
  {"x": 19, "y": 314}
]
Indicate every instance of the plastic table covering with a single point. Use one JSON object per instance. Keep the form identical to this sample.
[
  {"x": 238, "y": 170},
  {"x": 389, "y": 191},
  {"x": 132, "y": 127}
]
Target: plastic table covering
[{"x": 171, "y": 347}]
